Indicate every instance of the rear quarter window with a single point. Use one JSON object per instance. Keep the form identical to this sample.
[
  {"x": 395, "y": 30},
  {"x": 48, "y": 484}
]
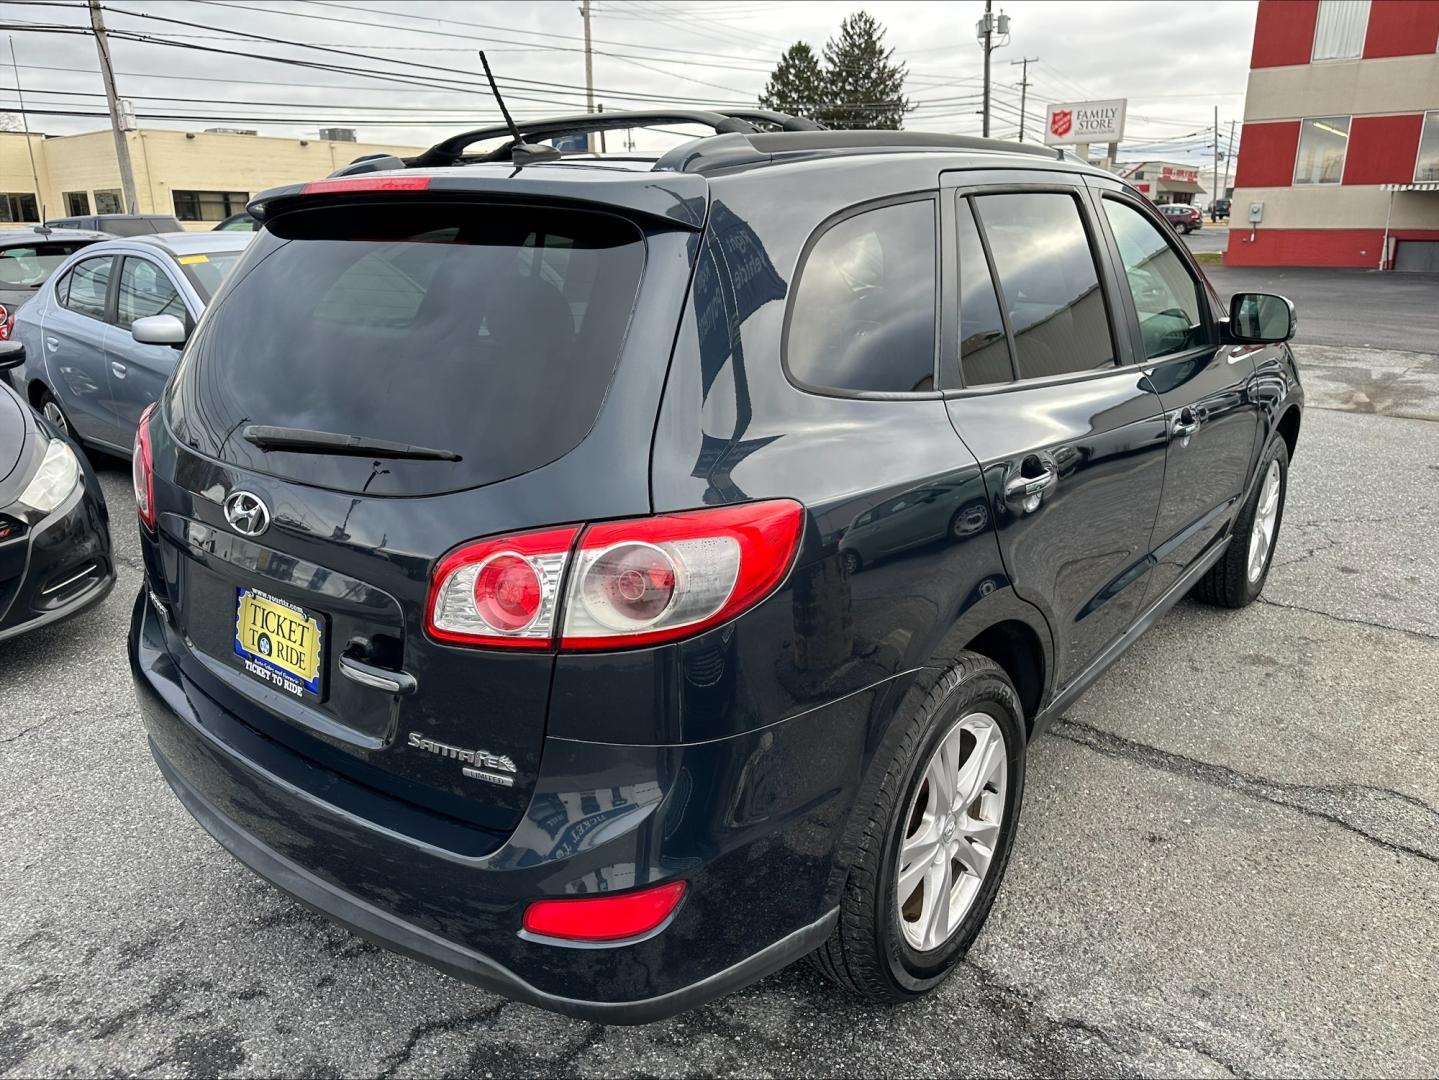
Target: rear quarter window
[{"x": 863, "y": 314}]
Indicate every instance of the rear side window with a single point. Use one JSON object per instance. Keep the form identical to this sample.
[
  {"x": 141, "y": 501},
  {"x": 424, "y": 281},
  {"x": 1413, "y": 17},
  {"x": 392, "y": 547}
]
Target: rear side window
[
  {"x": 1049, "y": 282},
  {"x": 1165, "y": 294},
  {"x": 488, "y": 331},
  {"x": 88, "y": 284},
  {"x": 863, "y": 314}
]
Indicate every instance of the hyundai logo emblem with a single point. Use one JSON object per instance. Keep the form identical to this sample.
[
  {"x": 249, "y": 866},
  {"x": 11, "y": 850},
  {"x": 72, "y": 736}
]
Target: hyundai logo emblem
[{"x": 247, "y": 514}]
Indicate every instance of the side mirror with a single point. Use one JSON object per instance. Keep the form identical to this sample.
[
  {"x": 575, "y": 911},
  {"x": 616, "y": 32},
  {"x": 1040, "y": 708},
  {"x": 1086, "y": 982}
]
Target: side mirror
[
  {"x": 1261, "y": 319},
  {"x": 159, "y": 330},
  {"x": 12, "y": 354}
]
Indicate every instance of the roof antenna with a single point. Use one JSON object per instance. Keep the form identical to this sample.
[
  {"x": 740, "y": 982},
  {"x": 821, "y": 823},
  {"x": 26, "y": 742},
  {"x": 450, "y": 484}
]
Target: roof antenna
[{"x": 521, "y": 152}]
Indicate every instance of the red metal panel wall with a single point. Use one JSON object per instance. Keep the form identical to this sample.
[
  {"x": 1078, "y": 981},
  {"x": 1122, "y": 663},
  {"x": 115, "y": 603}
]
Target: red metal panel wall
[
  {"x": 1382, "y": 149},
  {"x": 1284, "y": 32},
  {"x": 1402, "y": 27},
  {"x": 1266, "y": 154},
  {"x": 1357, "y": 248}
]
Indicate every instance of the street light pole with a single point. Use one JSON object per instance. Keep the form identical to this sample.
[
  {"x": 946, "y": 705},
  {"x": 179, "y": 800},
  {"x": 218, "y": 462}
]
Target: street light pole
[{"x": 107, "y": 74}]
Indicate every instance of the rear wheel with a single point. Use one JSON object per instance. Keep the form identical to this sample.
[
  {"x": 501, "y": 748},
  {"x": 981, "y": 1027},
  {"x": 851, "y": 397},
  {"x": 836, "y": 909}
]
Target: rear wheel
[
  {"x": 936, "y": 840},
  {"x": 1238, "y": 577}
]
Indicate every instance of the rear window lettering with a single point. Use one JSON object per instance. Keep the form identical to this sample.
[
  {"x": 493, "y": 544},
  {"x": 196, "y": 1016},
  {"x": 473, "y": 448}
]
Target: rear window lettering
[
  {"x": 1051, "y": 287},
  {"x": 863, "y": 314}
]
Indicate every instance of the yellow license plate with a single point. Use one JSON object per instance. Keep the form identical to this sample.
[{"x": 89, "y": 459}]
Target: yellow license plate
[{"x": 278, "y": 642}]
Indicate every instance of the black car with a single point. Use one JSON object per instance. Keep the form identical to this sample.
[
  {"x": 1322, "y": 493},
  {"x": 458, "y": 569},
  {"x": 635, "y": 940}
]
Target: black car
[
  {"x": 54, "y": 531},
  {"x": 27, "y": 259},
  {"x": 498, "y": 594}
]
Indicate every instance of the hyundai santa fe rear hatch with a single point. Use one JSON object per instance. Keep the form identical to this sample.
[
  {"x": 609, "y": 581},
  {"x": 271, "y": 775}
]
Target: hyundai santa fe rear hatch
[{"x": 376, "y": 385}]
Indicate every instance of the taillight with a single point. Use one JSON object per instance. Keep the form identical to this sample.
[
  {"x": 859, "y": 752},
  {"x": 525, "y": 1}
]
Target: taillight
[
  {"x": 7, "y": 323},
  {"x": 348, "y": 184},
  {"x": 604, "y": 917},
  {"x": 628, "y": 583},
  {"x": 142, "y": 469}
]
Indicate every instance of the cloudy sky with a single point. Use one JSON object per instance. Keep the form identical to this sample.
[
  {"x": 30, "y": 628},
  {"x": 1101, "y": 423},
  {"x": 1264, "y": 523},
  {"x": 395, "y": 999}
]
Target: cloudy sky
[{"x": 216, "y": 62}]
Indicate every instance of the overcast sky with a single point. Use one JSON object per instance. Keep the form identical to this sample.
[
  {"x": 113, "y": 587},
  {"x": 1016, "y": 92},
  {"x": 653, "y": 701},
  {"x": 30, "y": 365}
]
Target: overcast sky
[{"x": 1174, "y": 61}]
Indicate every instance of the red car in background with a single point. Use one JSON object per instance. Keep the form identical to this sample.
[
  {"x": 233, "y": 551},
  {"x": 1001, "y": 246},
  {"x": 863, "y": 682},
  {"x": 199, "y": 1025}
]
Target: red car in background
[{"x": 1182, "y": 216}]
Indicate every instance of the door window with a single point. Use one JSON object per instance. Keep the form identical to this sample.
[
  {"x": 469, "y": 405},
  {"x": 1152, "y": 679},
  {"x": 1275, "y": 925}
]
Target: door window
[
  {"x": 983, "y": 346},
  {"x": 864, "y": 309},
  {"x": 1049, "y": 282},
  {"x": 146, "y": 290},
  {"x": 1165, "y": 293},
  {"x": 88, "y": 284}
]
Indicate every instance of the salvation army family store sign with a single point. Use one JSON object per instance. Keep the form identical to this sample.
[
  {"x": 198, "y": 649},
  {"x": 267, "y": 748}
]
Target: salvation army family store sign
[{"x": 1086, "y": 122}]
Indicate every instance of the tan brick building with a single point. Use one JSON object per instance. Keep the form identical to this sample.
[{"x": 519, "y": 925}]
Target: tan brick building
[{"x": 201, "y": 177}]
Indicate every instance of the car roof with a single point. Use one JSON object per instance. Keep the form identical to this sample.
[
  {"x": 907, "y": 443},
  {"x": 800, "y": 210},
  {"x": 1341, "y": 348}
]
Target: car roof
[
  {"x": 187, "y": 243},
  {"x": 40, "y": 236}
]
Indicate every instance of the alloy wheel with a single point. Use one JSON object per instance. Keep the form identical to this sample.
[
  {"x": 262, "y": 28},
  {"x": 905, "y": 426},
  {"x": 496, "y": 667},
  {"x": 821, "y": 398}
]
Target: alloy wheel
[
  {"x": 51, "y": 411},
  {"x": 951, "y": 831},
  {"x": 1266, "y": 517}
]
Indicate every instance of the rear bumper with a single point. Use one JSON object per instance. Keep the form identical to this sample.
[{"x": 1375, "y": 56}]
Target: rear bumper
[{"x": 748, "y": 822}]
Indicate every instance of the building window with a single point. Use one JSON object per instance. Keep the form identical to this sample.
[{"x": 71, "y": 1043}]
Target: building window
[
  {"x": 18, "y": 206},
  {"x": 1323, "y": 141},
  {"x": 1339, "y": 29},
  {"x": 209, "y": 205},
  {"x": 77, "y": 203},
  {"x": 108, "y": 202},
  {"x": 1426, "y": 168}
]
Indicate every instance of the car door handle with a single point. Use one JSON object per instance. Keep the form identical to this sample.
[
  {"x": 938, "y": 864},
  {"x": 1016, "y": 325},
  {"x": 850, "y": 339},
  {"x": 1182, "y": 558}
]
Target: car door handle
[
  {"x": 394, "y": 682},
  {"x": 1036, "y": 482},
  {"x": 118, "y": 369},
  {"x": 52, "y": 343},
  {"x": 1184, "y": 425}
]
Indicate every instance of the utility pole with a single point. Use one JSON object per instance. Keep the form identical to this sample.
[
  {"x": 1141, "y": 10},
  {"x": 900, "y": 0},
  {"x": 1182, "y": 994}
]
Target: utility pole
[
  {"x": 1213, "y": 213},
  {"x": 25, "y": 120},
  {"x": 1228, "y": 161},
  {"x": 1023, "y": 88},
  {"x": 985, "y": 31},
  {"x": 589, "y": 70},
  {"x": 107, "y": 72}
]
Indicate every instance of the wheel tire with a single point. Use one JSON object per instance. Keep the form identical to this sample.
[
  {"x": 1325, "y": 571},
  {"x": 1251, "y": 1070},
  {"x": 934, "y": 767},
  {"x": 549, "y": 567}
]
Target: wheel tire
[
  {"x": 1228, "y": 582},
  {"x": 868, "y": 952},
  {"x": 51, "y": 409},
  {"x": 853, "y": 564}
]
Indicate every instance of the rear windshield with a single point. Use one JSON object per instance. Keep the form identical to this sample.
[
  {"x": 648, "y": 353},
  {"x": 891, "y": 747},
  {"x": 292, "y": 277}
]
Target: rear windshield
[
  {"x": 206, "y": 270},
  {"x": 27, "y": 267},
  {"x": 138, "y": 226},
  {"x": 488, "y": 331}
]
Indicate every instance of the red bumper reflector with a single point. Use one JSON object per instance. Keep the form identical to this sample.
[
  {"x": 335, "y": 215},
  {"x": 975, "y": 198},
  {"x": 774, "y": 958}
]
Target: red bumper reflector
[
  {"x": 604, "y": 917},
  {"x": 366, "y": 183}
]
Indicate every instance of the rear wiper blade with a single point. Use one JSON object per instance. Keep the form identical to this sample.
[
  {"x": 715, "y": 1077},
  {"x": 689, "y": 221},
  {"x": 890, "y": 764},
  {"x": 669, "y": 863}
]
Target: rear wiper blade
[{"x": 303, "y": 441}]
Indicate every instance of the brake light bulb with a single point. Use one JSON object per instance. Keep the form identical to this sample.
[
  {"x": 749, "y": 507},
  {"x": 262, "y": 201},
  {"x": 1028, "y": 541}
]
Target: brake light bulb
[{"x": 507, "y": 592}]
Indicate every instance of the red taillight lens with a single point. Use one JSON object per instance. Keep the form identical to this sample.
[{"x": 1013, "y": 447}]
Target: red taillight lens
[
  {"x": 7, "y": 323},
  {"x": 604, "y": 918},
  {"x": 142, "y": 469},
  {"x": 344, "y": 184},
  {"x": 504, "y": 591},
  {"x": 625, "y": 583}
]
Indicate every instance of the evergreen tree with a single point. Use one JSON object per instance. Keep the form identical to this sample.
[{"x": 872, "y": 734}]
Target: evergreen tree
[
  {"x": 864, "y": 87},
  {"x": 797, "y": 85}
]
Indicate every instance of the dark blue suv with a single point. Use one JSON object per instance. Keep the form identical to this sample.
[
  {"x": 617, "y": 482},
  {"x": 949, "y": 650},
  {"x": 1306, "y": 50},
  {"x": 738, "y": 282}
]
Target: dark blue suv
[{"x": 610, "y": 580}]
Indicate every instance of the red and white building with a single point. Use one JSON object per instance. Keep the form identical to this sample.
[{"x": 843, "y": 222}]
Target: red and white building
[{"x": 1341, "y": 137}]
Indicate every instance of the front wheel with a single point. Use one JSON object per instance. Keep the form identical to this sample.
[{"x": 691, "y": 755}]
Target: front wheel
[
  {"x": 936, "y": 839},
  {"x": 50, "y": 409},
  {"x": 1237, "y": 579}
]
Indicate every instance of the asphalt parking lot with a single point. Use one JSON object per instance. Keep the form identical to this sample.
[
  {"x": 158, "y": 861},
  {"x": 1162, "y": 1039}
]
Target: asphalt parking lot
[{"x": 1228, "y": 862}]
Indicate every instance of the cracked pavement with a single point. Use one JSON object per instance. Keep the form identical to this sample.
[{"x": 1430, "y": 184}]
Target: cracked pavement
[{"x": 1228, "y": 862}]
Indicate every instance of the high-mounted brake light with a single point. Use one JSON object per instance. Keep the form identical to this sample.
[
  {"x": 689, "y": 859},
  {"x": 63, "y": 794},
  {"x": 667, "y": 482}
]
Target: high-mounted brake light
[
  {"x": 603, "y": 917},
  {"x": 641, "y": 581},
  {"x": 345, "y": 184},
  {"x": 142, "y": 469}
]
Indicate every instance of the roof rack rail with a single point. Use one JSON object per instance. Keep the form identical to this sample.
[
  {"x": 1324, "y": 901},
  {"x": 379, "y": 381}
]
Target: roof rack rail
[
  {"x": 783, "y": 121},
  {"x": 451, "y": 150},
  {"x": 704, "y": 155}
]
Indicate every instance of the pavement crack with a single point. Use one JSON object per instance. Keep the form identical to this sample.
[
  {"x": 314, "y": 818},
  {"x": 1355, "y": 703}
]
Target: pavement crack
[
  {"x": 21, "y": 734},
  {"x": 1348, "y": 618},
  {"x": 1336, "y": 803},
  {"x": 394, "y": 1062}
]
